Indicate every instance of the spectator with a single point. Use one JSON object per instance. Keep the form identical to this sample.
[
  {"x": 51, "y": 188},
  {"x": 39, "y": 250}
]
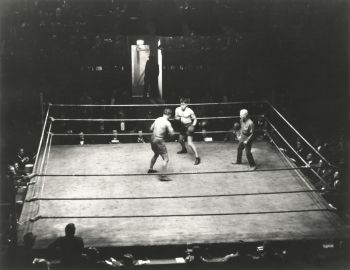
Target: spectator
[
  {"x": 18, "y": 171},
  {"x": 143, "y": 126},
  {"x": 335, "y": 181},
  {"x": 69, "y": 247},
  {"x": 300, "y": 151},
  {"x": 310, "y": 160},
  {"x": 24, "y": 257},
  {"x": 320, "y": 168},
  {"x": 22, "y": 159}
]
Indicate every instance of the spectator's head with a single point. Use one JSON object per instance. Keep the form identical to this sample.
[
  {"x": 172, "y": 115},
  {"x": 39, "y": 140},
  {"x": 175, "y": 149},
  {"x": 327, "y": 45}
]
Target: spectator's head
[
  {"x": 16, "y": 166},
  {"x": 299, "y": 144},
  {"x": 21, "y": 151},
  {"x": 194, "y": 254},
  {"x": 336, "y": 175},
  {"x": 167, "y": 112},
  {"x": 309, "y": 157},
  {"x": 196, "y": 251},
  {"x": 128, "y": 259},
  {"x": 184, "y": 103},
  {"x": 243, "y": 114},
  {"x": 11, "y": 170},
  {"x": 321, "y": 163},
  {"x": 70, "y": 229}
]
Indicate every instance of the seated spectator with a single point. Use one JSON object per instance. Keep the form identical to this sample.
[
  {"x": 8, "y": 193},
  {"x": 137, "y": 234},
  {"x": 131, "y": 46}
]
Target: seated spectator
[
  {"x": 324, "y": 149},
  {"x": 261, "y": 127},
  {"x": 337, "y": 194},
  {"x": 194, "y": 255},
  {"x": 25, "y": 257},
  {"x": 69, "y": 247},
  {"x": 335, "y": 179},
  {"x": 16, "y": 177},
  {"x": 327, "y": 175},
  {"x": 310, "y": 160},
  {"x": 22, "y": 159},
  {"x": 320, "y": 167},
  {"x": 300, "y": 149},
  {"x": 143, "y": 126},
  {"x": 18, "y": 171}
]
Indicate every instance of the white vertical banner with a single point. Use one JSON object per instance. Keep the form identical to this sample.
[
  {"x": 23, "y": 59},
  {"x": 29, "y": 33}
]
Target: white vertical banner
[
  {"x": 160, "y": 76},
  {"x": 139, "y": 57}
]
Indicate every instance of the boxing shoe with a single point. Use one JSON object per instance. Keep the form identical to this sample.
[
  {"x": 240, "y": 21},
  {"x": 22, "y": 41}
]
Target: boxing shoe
[
  {"x": 164, "y": 178},
  {"x": 236, "y": 163},
  {"x": 197, "y": 161},
  {"x": 183, "y": 151},
  {"x": 151, "y": 171}
]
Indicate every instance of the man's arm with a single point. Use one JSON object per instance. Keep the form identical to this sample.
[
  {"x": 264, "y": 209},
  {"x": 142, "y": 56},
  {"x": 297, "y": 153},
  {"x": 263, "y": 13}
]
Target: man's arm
[
  {"x": 177, "y": 116},
  {"x": 152, "y": 127},
  {"x": 194, "y": 118},
  {"x": 22, "y": 160},
  {"x": 252, "y": 129},
  {"x": 170, "y": 129}
]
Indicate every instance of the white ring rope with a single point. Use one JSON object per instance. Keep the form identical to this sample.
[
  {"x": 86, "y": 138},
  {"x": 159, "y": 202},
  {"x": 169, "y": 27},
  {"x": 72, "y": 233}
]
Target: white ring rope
[
  {"x": 41, "y": 139},
  {"x": 136, "y": 133},
  {"x": 136, "y": 119},
  {"x": 158, "y": 105}
]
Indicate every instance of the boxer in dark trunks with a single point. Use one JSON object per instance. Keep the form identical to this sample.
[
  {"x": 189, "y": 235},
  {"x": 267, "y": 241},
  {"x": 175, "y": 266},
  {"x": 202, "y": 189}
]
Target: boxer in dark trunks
[
  {"x": 188, "y": 122},
  {"x": 160, "y": 128}
]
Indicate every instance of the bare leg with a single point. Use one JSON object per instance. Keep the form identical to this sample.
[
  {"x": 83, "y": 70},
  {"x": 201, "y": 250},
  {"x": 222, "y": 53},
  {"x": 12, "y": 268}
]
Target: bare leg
[
  {"x": 182, "y": 142},
  {"x": 164, "y": 177},
  {"x": 191, "y": 144},
  {"x": 165, "y": 163},
  {"x": 153, "y": 161}
]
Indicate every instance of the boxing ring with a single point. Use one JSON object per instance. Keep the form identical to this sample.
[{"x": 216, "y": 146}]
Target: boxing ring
[{"x": 104, "y": 189}]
